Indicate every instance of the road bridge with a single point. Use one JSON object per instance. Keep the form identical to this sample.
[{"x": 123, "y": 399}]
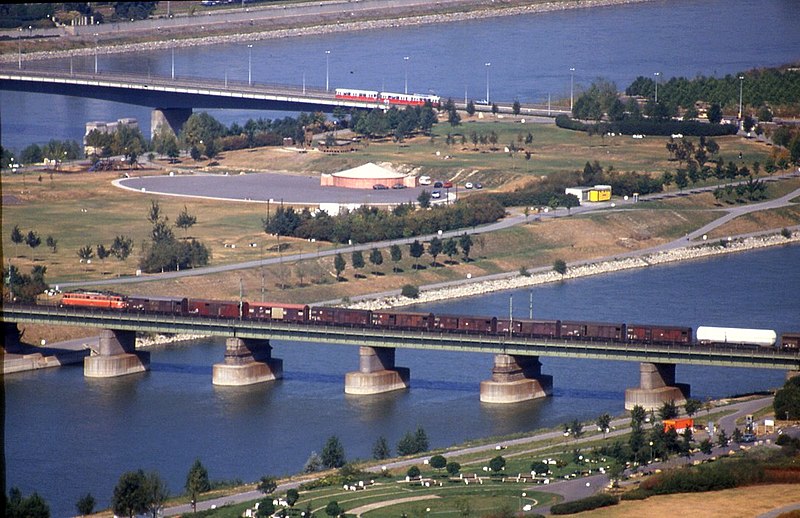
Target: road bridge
[
  {"x": 173, "y": 99},
  {"x": 516, "y": 375}
]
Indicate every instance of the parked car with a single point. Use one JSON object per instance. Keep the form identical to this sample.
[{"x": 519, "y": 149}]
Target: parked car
[
  {"x": 448, "y": 185},
  {"x": 748, "y": 437},
  {"x": 424, "y": 180},
  {"x": 436, "y": 194},
  {"x": 468, "y": 185},
  {"x": 379, "y": 187},
  {"x": 398, "y": 186},
  {"x": 437, "y": 185},
  {"x": 478, "y": 185}
]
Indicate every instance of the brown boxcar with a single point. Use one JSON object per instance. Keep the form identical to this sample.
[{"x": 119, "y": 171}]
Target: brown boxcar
[
  {"x": 639, "y": 333},
  {"x": 400, "y": 320},
  {"x": 218, "y": 308},
  {"x": 278, "y": 311},
  {"x": 446, "y": 323},
  {"x": 593, "y": 331},
  {"x": 790, "y": 341},
  {"x": 465, "y": 324},
  {"x": 340, "y": 316},
  {"x": 530, "y": 328},
  {"x": 173, "y": 305}
]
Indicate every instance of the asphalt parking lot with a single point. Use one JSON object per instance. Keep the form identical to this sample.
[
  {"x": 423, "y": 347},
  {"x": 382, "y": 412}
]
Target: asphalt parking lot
[{"x": 262, "y": 187}]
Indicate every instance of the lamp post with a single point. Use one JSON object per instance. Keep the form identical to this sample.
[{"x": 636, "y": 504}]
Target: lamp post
[
  {"x": 250, "y": 65},
  {"x": 405, "y": 62},
  {"x": 173, "y": 60},
  {"x": 741, "y": 84},
  {"x": 487, "y": 65},
  {"x": 19, "y": 48},
  {"x": 657, "y": 74},
  {"x": 95, "y": 52},
  {"x": 652, "y": 455},
  {"x": 327, "y": 69},
  {"x": 571, "y": 87}
]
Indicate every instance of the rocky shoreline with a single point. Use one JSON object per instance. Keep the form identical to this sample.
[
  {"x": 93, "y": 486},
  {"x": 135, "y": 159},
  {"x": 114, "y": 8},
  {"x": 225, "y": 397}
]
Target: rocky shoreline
[
  {"x": 584, "y": 270},
  {"x": 401, "y": 21}
]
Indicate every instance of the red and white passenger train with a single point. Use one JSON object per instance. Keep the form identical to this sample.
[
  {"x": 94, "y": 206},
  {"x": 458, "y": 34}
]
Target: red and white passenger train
[
  {"x": 615, "y": 332},
  {"x": 389, "y": 98}
]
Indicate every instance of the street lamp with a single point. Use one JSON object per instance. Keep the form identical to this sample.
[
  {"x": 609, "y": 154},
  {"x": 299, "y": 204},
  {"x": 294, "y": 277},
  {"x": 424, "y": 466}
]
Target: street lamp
[
  {"x": 249, "y": 65},
  {"x": 405, "y": 62},
  {"x": 95, "y": 52},
  {"x": 327, "y": 68},
  {"x": 19, "y": 48},
  {"x": 487, "y": 81},
  {"x": 657, "y": 74},
  {"x": 571, "y": 87},
  {"x": 652, "y": 455},
  {"x": 741, "y": 84},
  {"x": 173, "y": 59}
]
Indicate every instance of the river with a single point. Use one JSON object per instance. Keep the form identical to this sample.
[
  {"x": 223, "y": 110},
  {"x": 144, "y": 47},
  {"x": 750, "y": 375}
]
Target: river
[
  {"x": 530, "y": 58},
  {"x": 67, "y": 435}
]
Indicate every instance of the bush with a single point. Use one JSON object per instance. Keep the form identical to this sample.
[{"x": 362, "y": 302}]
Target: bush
[
  {"x": 636, "y": 494},
  {"x": 585, "y": 504},
  {"x": 650, "y": 127},
  {"x": 410, "y": 291}
]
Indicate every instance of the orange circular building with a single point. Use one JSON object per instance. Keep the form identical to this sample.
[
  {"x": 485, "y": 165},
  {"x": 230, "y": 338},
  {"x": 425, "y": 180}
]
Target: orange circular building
[{"x": 366, "y": 177}]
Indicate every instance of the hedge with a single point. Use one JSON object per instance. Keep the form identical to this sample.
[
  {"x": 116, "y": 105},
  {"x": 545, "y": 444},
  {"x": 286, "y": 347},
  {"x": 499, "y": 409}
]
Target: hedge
[
  {"x": 585, "y": 504},
  {"x": 650, "y": 127}
]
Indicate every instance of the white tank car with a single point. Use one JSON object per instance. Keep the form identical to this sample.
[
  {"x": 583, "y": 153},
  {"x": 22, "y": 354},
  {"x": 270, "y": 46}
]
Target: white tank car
[{"x": 736, "y": 336}]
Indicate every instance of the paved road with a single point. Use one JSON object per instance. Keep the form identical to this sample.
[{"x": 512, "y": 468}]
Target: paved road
[
  {"x": 572, "y": 489},
  {"x": 514, "y": 219}
]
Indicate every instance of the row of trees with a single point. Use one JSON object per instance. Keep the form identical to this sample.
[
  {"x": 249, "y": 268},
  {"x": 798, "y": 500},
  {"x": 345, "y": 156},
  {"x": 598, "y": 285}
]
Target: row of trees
[
  {"x": 54, "y": 150},
  {"x": 32, "y": 239},
  {"x": 394, "y": 122},
  {"x": 367, "y": 224},
  {"x": 23, "y": 287},
  {"x": 333, "y": 455}
]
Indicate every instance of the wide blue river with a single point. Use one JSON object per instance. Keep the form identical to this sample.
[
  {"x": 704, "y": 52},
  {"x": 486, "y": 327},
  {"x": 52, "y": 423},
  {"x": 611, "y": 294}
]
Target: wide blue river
[
  {"x": 530, "y": 58},
  {"x": 66, "y": 435}
]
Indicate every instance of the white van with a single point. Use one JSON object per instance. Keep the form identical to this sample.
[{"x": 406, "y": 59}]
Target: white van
[{"x": 424, "y": 180}]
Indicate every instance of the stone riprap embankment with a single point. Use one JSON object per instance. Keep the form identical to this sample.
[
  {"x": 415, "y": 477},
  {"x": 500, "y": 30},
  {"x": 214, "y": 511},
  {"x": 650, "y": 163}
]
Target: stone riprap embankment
[
  {"x": 597, "y": 268},
  {"x": 330, "y": 28}
]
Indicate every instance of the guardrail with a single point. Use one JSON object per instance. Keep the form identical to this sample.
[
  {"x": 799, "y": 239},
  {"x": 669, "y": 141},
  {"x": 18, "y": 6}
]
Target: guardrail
[{"x": 765, "y": 358}]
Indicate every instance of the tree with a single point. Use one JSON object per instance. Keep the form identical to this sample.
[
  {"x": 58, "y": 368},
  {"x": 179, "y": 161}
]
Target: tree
[
  {"x": 313, "y": 464},
  {"x": 52, "y": 243},
  {"x": 18, "y": 506},
  {"x": 121, "y": 247},
  {"x": 154, "y": 213},
  {"x": 787, "y": 400},
  {"x": 333, "y": 453},
  {"x": 338, "y": 265},
  {"x": 424, "y": 199},
  {"x": 450, "y": 248},
  {"x": 560, "y": 267},
  {"x": 17, "y": 237},
  {"x": 722, "y": 439},
  {"x": 267, "y": 484},
  {"x": 495, "y": 109},
  {"x": 376, "y": 257},
  {"x": 265, "y": 508},
  {"x": 102, "y": 252},
  {"x": 357, "y": 258},
  {"x": 33, "y": 240},
  {"x": 692, "y": 406},
  {"x": 434, "y": 249},
  {"x": 576, "y": 429},
  {"x": 381, "y": 449},
  {"x": 497, "y": 464},
  {"x": 706, "y": 446},
  {"x": 569, "y": 201},
  {"x": 333, "y": 509},
  {"x": 130, "y": 495},
  {"x": 397, "y": 255},
  {"x": 465, "y": 242},
  {"x": 437, "y": 462},
  {"x": 453, "y": 468},
  {"x": 413, "y": 472},
  {"x": 603, "y": 423},
  {"x": 292, "y": 496},
  {"x": 421, "y": 439},
  {"x": 515, "y": 108},
  {"x": 185, "y": 220},
  {"x": 669, "y": 410},
  {"x": 85, "y": 504},
  {"x": 197, "y": 482},
  {"x": 86, "y": 253},
  {"x": 156, "y": 493},
  {"x": 714, "y": 113},
  {"x": 410, "y": 291},
  {"x": 416, "y": 250},
  {"x": 470, "y": 108}
]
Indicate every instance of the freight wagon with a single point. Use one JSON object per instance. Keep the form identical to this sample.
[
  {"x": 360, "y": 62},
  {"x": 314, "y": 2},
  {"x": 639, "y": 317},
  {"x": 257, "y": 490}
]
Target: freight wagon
[
  {"x": 400, "y": 320},
  {"x": 593, "y": 331},
  {"x": 735, "y": 336},
  {"x": 278, "y": 311},
  {"x": 340, "y": 316},
  {"x": 218, "y": 308},
  {"x": 172, "y": 305},
  {"x": 639, "y": 333},
  {"x": 530, "y": 328},
  {"x": 790, "y": 341}
]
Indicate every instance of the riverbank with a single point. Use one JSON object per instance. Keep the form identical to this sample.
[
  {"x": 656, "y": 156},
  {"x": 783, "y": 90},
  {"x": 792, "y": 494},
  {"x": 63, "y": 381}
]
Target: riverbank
[
  {"x": 548, "y": 275},
  {"x": 390, "y": 17}
]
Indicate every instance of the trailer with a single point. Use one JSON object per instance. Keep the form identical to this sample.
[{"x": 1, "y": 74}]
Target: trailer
[{"x": 737, "y": 337}]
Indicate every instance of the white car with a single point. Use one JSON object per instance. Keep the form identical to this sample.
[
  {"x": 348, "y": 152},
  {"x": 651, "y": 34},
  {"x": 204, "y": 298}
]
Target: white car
[
  {"x": 436, "y": 194},
  {"x": 424, "y": 180},
  {"x": 468, "y": 185}
]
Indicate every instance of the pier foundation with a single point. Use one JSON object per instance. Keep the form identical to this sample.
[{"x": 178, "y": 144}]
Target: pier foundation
[
  {"x": 11, "y": 335},
  {"x": 656, "y": 387},
  {"x": 247, "y": 362},
  {"x": 515, "y": 379},
  {"x": 116, "y": 355},
  {"x": 174, "y": 118},
  {"x": 376, "y": 373}
]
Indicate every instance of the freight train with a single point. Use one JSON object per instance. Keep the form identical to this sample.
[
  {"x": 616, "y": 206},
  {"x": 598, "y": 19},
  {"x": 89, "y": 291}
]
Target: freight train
[{"x": 399, "y": 320}]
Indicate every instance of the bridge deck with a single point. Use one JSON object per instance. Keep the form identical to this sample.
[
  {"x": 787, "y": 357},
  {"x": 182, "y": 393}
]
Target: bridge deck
[{"x": 763, "y": 358}]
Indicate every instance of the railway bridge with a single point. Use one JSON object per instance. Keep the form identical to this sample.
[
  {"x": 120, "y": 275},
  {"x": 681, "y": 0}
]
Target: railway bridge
[
  {"x": 516, "y": 375},
  {"x": 173, "y": 99}
]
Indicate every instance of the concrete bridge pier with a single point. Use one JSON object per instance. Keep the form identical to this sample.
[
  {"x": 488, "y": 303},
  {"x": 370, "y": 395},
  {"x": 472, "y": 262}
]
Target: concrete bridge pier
[
  {"x": 116, "y": 355},
  {"x": 377, "y": 373},
  {"x": 175, "y": 118},
  {"x": 515, "y": 379},
  {"x": 247, "y": 362},
  {"x": 656, "y": 387},
  {"x": 11, "y": 336}
]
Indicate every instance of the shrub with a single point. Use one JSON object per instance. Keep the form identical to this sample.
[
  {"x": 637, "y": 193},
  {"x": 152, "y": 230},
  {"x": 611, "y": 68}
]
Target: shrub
[
  {"x": 410, "y": 291},
  {"x": 636, "y": 494},
  {"x": 650, "y": 127},
  {"x": 785, "y": 232},
  {"x": 585, "y": 504}
]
